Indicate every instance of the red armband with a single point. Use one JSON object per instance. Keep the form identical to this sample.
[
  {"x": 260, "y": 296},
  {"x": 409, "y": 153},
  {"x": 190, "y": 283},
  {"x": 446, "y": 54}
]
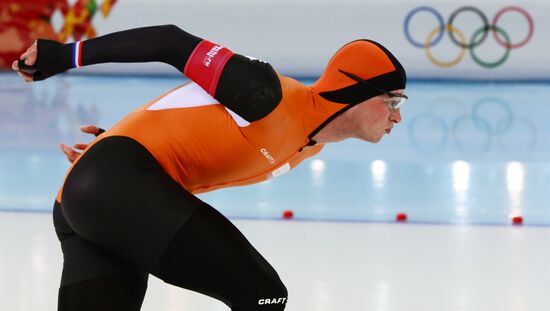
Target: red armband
[{"x": 205, "y": 65}]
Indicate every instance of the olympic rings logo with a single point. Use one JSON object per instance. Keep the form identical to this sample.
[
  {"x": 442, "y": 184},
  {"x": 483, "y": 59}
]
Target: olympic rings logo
[{"x": 478, "y": 37}]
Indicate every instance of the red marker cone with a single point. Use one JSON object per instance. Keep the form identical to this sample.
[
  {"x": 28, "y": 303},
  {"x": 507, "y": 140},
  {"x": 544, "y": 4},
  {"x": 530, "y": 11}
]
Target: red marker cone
[
  {"x": 288, "y": 214},
  {"x": 517, "y": 220},
  {"x": 401, "y": 217}
]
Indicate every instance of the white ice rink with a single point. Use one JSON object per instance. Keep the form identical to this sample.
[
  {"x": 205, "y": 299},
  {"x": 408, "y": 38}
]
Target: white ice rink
[{"x": 328, "y": 266}]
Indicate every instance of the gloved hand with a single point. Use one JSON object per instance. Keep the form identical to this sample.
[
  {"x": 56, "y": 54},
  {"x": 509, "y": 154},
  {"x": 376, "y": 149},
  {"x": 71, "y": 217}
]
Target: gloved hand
[{"x": 43, "y": 59}]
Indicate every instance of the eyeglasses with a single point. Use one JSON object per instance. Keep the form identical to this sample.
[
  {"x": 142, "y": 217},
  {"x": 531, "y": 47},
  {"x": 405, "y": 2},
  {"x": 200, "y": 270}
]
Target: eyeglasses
[{"x": 395, "y": 101}]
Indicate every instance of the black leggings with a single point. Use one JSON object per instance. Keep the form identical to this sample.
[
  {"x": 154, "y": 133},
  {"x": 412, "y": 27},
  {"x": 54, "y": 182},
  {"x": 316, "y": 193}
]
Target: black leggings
[{"x": 122, "y": 217}]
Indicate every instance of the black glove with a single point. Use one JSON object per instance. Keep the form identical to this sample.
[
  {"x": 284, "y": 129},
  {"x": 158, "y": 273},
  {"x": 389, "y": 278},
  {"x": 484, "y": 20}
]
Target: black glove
[{"x": 53, "y": 58}]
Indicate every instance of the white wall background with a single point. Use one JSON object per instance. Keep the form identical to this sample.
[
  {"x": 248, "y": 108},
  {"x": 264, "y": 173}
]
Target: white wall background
[{"x": 298, "y": 37}]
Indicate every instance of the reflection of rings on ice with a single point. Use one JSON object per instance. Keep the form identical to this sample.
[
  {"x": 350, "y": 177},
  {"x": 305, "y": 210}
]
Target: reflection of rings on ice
[
  {"x": 428, "y": 131},
  {"x": 472, "y": 135},
  {"x": 489, "y": 123},
  {"x": 494, "y": 111},
  {"x": 432, "y": 133},
  {"x": 514, "y": 142}
]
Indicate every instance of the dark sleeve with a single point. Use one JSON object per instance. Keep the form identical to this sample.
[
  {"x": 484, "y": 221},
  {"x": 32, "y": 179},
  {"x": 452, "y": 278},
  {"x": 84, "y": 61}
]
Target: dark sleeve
[
  {"x": 250, "y": 88},
  {"x": 168, "y": 44}
]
